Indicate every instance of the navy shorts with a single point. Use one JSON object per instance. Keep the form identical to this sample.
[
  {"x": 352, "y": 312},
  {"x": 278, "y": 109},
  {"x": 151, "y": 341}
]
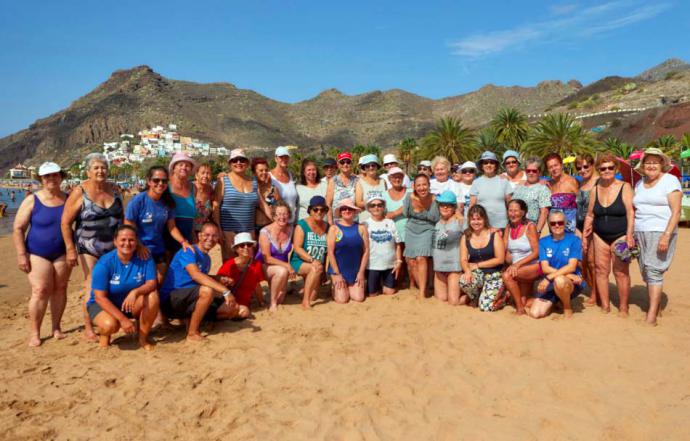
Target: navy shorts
[
  {"x": 550, "y": 293},
  {"x": 376, "y": 277},
  {"x": 94, "y": 309},
  {"x": 181, "y": 302}
]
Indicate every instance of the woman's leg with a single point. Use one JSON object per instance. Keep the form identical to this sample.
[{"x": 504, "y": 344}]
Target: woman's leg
[
  {"x": 453, "y": 282},
  {"x": 422, "y": 265},
  {"x": 87, "y": 263},
  {"x": 491, "y": 297},
  {"x": 277, "y": 280},
  {"x": 513, "y": 286},
  {"x": 471, "y": 290},
  {"x": 312, "y": 277},
  {"x": 540, "y": 308},
  {"x": 655, "y": 293},
  {"x": 356, "y": 292},
  {"x": 602, "y": 268},
  {"x": 146, "y": 309},
  {"x": 341, "y": 294},
  {"x": 41, "y": 279},
  {"x": 411, "y": 270},
  {"x": 58, "y": 300},
  {"x": 621, "y": 272},
  {"x": 107, "y": 326},
  {"x": 441, "y": 286},
  {"x": 563, "y": 287},
  {"x": 588, "y": 272}
]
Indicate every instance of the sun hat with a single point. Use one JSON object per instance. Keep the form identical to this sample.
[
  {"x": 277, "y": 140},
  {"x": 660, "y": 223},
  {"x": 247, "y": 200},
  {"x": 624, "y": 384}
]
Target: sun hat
[
  {"x": 344, "y": 155},
  {"x": 425, "y": 163},
  {"x": 237, "y": 153},
  {"x": 468, "y": 164},
  {"x": 487, "y": 156},
  {"x": 655, "y": 151},
  {"x": 511, "y": 154},
  {"x": 317, "y": 201},
  {"x": 329, "y": 162},
  {"x": 376, "y": 197},
  {"x": 241, "y": 238},
  {"x": 395, "y": 171},
  {"x": 181, "y": 157},
  {"x": 390, "y": 159},
  {"x": 347, "y": 202},
  {"x": 281, "y": 150},
  {"x": 369, "y": 159},
  {"x": 447, "y": 197},
  {"x": 49, "y": 167}
]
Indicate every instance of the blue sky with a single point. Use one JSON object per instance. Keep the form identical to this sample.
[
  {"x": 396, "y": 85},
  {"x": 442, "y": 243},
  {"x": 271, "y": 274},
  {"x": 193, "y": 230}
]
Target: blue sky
[{"x": 52, "y": 52}]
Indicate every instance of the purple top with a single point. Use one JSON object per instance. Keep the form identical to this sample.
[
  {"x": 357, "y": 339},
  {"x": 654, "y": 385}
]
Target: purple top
[{"x": 276, "y": 251}]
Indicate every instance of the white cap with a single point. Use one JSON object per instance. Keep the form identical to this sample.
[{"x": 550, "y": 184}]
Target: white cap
[
  {"x": 425, "y": 163},
  {"x": 395, "y": 171},
  {"x": 241, "y": 238},
  {"x": 282, "y": 151},
  {"x": 376, "y": 197},
  {"x": 47, "y": 168},
  {"x": 237, "y": 153},
  {"x": 390, "y": 158},
  {"x": 468, "y": 164}
]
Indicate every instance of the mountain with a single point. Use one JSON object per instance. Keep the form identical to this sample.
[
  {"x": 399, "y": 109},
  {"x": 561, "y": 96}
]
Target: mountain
[
  {"x": 660, "y": 71},
  {"x": 138, "y": 98}
]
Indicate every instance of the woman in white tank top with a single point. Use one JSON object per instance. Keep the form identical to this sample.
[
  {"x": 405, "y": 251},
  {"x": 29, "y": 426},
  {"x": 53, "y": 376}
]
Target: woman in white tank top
[{"x": 522, "y": 254}]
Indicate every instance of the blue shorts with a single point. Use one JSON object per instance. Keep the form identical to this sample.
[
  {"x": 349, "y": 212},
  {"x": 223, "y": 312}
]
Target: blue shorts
[
  {"x": 550, "y": 293},
  {"x": 376, "y": 277}
]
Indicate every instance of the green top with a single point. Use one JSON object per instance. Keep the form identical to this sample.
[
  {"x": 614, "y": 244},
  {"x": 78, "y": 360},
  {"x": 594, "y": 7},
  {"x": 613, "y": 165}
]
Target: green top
[{"x": 313, "y": 244}]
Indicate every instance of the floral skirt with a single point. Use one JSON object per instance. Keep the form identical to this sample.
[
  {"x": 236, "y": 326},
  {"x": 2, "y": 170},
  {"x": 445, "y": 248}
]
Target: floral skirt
[{"x": 488, "y": 287}]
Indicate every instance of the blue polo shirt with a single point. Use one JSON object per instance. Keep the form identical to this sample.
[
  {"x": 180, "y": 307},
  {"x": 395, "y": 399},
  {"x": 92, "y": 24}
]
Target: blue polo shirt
[
  {"x": 117, "y": 278},
  {"x": 178, "y": 277},
  {"x": 559, "y": 252},
  {"x": 151, "y": 218}
]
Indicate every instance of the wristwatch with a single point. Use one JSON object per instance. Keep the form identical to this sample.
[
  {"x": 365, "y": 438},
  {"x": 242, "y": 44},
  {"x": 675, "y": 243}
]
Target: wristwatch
[{"x": 227, "y": 293}]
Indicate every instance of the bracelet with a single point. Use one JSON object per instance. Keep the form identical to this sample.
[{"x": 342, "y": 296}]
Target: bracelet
[{"x": 227, "y": 293}]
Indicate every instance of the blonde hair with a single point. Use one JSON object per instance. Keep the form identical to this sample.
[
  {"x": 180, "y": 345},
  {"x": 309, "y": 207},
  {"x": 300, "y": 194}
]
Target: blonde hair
[{"x": 440, "y": 160}]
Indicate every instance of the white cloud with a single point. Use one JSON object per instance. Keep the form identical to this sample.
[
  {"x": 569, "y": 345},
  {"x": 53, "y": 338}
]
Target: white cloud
[{"x": 570, "y": 22}]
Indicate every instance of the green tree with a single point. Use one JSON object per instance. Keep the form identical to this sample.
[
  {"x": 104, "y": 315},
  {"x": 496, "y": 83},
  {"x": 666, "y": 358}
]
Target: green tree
[
  {"x": 668, "y": 144},
  {"x": 618, "y": 147},
  {"x": 451, "y": 139},
  {"x": 511, "y": 128},
  {"x": 487, "y": 140},
  {"x": 405, "y": 152},
  {"x": 558, "y": 133}
]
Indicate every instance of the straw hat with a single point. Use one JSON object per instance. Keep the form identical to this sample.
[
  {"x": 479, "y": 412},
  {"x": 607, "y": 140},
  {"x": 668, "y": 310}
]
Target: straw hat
[{"x": 654, "y": 151}]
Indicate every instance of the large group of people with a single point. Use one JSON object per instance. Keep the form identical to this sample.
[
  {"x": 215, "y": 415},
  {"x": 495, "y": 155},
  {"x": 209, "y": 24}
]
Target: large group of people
[{"x": 466, "y": 233}]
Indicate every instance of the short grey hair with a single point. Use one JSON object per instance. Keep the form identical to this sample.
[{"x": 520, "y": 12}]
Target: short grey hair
[
  {"x": 440, "y": 160},
  {"x": 534, "y": 160},
  {"x": 556, "y": 212},
  {"x": 95, "y": 157}
]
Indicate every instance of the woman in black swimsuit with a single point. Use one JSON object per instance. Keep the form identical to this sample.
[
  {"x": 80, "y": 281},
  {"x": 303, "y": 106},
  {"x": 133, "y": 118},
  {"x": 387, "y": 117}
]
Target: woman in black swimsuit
[{"x": 609, "y": 221}]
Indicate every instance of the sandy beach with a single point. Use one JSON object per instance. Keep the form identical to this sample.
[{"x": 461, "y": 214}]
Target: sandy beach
[{"x": 390, "y": 368}]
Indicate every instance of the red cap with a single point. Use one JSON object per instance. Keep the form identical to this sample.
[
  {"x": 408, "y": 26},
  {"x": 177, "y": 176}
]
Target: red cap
[{"x": 344, "y": 155}]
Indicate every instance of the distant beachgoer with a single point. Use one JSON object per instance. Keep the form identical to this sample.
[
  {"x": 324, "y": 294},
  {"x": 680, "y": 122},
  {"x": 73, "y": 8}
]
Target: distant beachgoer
[
  {"x": 390, "y": 162},
  {"x": 369, "y": 185},
  {"x": 123, "y": 288},
  {"x": 41, "y": 253},
  {"x": 153, "y": 212},
  {"x": 657, "y": 202},
  {"x": 348, "y": 254},
  {"x": 267, "y": 192},
  {"x": 560, "y": 255},
  {"x": 513, "y": 173},
  {"x": 242, "y": 274},
  {"x": 610, "y": 222},
  {"x": 181, "y": 169},
  {"x": 521, "y": 242},
  {"x": 491, "y": 192},
  {"x": 98, "y": 210},
  {"x": 310, "y": 185},
  {"x": 482, "y": 255},
  {"x": 442, "y": 182},
  {"x": 385, "y": 249},
  {"x": 342, "y": 186},
  {"x": 446, "y": 250},
  {"x": 330, "y": 168},
  {"x": 236, "y": 201},
  {"x": 563, "y": 190},
  {"x": 309, "y": 248},
  {"x": 424, "y": 167},
  {"x": 467, "y": 172},
  {"x": 203, "y": 197},
  {"x": 283, "y": 180},
  {"x": 188, "y": 292},
  {"x": 275, "y": 245}
]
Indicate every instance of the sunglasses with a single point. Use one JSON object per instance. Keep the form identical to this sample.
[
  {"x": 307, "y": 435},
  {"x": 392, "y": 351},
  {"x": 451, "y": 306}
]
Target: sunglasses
[
  {"x": 370, "y": 166},
  {"x": 244, "y": 245},
  {"x": 320, "y": 209},
  {"x": 608, "y": 168},
  {"x": 328, "y": 166},
  {"x": 446, "y": 206},
  {"x": 468, "y": 172},
  {"x": 390, "y": 164},
  {"x": 240, "y": 160},
  {"x": 159, "y": 180},
  {"x": 651, "y": 163},
  {"x": 532, "y": 171},
  {"x": 344, "y": 161},
  {"x": 376, "y": 205},
  {"x": 422, "y": 167},
  {"x": 347, "y": 209},
  {"x": 557, "y": 223},
  {"x": 582, "y": 167},
  {"x": 510, "y": 163}
]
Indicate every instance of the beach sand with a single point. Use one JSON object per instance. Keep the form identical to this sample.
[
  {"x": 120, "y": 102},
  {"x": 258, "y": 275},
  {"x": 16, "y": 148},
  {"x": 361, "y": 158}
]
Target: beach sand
[{"x": 390, "y": 368}]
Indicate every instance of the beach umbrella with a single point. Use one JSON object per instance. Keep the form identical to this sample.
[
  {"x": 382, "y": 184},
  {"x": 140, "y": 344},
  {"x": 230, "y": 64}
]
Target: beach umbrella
[
  {"x": 627, "y": 172},
  {"x": 636, "y": 155},
  {"x": 685, "y": 154}
]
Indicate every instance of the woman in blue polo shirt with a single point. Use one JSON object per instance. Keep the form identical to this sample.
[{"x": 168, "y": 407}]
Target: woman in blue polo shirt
[
  {"x": 559, "y": 255},
  {"x": 152, "y": 212},
  {"x": 123, "y": 286}
]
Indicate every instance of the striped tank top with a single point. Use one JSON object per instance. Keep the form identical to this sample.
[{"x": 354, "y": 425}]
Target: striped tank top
[{"x": 238, "y": 208}]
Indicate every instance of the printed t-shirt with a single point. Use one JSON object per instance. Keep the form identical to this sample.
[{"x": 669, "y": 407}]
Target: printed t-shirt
[
  {"x": 383, "y": 237},
  {"x": 558, "y": 252},
  {"x": 150, "y": 218},
  {"x": 254, "y": 275},
  {"x": 177, "y": 275},
  {"x": 117, "y": 278}
]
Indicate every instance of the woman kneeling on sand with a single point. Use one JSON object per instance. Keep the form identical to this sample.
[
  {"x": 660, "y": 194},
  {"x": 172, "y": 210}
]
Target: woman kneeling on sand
[
  {"x": 123, "y": 287},
  {"x": 560, "y": 255}
]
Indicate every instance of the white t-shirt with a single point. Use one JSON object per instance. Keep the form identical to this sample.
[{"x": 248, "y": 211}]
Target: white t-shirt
[
  {"x": 288, "y": 193},
  {"x": 652, "y": 210},
  {"x": 436, "y": 187},
  {"x": 383, "y": 237},
  {"x": 465, "y": 189},
  {"x": 521, "y": 181},
  {"x": 406, "y": 181}
]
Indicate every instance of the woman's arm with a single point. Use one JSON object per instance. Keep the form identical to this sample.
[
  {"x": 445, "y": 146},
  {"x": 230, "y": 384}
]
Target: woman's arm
[
  {"x": 589, "y": 217},
  {"x": 464, "y": 255},
  {"x": 329, "y": 200},
  {"x": 359, "y": 195},
  {"x": 263, "y": 205},
  {"x": 365, "y": 253},
  {"x": 509, "y": 257},
  {"x": 104, "y": 302},
  {"x": 473, "y": 201},
  {"x": 177, "y": 235},
  {"x": 629, "y": 213},
  {"x": 674, "y": 201},
  {"x": 218, "y": 194},
  {"x": 21, "y": 222},
  {"x": 69, "y": 214},
  {"x": 541, "y": 222}
]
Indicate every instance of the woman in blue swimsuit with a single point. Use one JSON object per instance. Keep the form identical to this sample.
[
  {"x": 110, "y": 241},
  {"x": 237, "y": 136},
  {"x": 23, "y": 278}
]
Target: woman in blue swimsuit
[{"x": 41, "y": 253}]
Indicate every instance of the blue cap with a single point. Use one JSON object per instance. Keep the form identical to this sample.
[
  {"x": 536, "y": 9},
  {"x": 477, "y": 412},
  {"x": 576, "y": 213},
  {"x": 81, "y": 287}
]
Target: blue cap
[
  {"x": 330, "y": 161},
  {"x": 488, "y": 156},
  {"x": 447, "y": 197},
  {"x": 317, "y": 201},
  {"x": 511, "y": 153},
  {"x": 282, "y": 151},
  {"x": 369, "y": 159}
]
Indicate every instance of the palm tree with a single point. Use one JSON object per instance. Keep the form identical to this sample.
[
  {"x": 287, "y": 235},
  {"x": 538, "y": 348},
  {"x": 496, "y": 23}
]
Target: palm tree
[
  {"x": 487, "y": 139},
  {"x": 451, "y": 139},
  {"x": 618, "y": 147},
  {"x": 405, "y": 150},
  {"x": 558, "y": 133},
  {"x": 511, "y": 127}
]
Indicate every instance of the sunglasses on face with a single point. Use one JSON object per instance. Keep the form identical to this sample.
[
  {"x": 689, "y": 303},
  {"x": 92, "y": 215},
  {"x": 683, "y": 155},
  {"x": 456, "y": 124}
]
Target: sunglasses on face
[
  {"x": 390, "y": 164},
  {"x": 582, "y": 167},
  {"x": 344, "y": 161},
  {"x": 376, "y": 205},
  {"x": 240, "y": 160},
  {"x": 607, "y": 168},
  {"x": 557, "y": 223},
  {"x": 329, "y": 167},
  {"x": 446, "y": 206},
  {"x": 510, "y": 163},
  {"x": 320, "y": 209},
  {"x": 532, "y": 171},
  {"x": 159, "y": 180},
  {"x": 347, "y": 209},
  {"x": 370, "y": 166},
  {"x": 422, "y": 168},
  {"x": 244, "y": 245},
  {"x": 467, "y": 172}
]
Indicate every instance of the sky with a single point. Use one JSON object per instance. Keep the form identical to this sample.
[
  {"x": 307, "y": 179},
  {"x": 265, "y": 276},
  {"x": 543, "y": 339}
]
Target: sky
[{"x": 53, "y": 52}]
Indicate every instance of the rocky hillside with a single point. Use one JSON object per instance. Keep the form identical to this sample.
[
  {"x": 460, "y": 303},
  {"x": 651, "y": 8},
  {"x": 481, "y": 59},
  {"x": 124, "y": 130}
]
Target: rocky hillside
[{"x": 223, "y": 114}]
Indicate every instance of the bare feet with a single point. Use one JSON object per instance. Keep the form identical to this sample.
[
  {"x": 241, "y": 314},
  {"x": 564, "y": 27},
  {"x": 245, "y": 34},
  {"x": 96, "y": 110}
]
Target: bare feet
[
  {"x": 91, "y": 336},
  {"x": 590, "y": 302},
  {"x": 273, "y": 308},
  {"x": 58, "y": 334},
  {"x": 306, "y": 306},
  {"x": 146, "y": 344},
  {"x": 519, "y": 311},
  {"x": 195, "y": 338},
  {"x": 605, "y": 310},
  {"x": 651, "y": 321},
  {"x": 568, "y": 313},
  {"x": 103, "y": 341},
  {"x": 623, "y": 314},
  {"x": 34, "y": 341}
]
